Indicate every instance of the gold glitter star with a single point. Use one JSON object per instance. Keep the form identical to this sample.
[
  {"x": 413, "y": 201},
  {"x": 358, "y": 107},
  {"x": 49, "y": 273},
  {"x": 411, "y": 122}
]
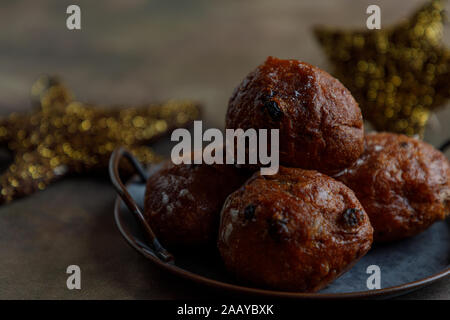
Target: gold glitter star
[
  {"x": 64, "y": 136},
  {"x": 399, "y": 74}
]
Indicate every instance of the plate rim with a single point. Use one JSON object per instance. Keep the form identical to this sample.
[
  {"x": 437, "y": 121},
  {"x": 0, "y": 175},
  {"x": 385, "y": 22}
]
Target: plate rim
[{"x": 394, "y": 290}]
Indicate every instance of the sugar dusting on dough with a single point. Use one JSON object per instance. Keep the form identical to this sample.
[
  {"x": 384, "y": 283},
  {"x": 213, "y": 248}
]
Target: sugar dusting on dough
[
  {"x": 378, "y": 147},
  {"x": 229, "y": 228}
]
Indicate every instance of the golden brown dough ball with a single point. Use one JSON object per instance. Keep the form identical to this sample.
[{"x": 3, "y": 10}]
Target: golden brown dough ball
[
  {"x": 297, "y": 230},
  {"x": 321, "y": 125},
  {"x": 402, "y": 183},
  {"x": 183, "y": 202}
]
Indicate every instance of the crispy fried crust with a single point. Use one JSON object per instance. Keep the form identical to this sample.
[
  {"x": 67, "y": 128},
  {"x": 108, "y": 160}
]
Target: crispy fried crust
[
  {"x": 321, "y": 125},
  {"x": 402, "y": 183},
  {"x": 297, "y": 230},
  {"x": 183, "y": 202}
]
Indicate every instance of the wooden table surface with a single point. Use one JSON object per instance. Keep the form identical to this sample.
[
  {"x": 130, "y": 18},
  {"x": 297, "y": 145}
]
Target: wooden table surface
[{"x": 129, "y": 52}]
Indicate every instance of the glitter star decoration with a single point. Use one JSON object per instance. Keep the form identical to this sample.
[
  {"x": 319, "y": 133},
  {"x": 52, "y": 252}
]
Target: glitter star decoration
[
  {"x": 399, "y": 74},
  {"x": 63, "y": 136}
]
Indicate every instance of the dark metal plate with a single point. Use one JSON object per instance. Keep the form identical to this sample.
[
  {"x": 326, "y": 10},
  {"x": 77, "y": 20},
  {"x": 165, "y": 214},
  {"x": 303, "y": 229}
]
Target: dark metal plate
[{"x": 405, "y": 265}]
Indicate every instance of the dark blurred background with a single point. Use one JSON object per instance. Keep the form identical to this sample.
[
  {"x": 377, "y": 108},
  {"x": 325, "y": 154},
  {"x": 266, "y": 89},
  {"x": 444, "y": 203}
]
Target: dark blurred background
[
  {"x": 135, "y": 51},
  {"x": 129, "y": 52}
]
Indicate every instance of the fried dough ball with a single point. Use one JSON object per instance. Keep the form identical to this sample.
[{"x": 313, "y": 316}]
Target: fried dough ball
[
  {"x": 321, "y": 125},
  {"x": 402, "y": 183},
  {"x": 297, "y": 230},
  {"x": 183, "y": 202}
]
